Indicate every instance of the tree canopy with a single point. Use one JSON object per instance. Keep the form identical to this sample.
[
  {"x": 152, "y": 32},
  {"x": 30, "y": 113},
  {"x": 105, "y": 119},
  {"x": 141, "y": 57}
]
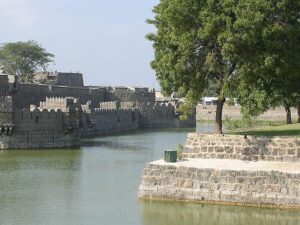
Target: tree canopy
[
  {"x": 247, "y": 48},
  {"x": 189, "y": 48},
  {"x": 23, "y": 59},
  {"x": 268, "y": 40}
]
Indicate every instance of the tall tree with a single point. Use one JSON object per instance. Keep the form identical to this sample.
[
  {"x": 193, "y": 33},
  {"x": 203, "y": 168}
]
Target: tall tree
[
  {"x": 267, "y": 46},
  {"x": 189, "y": 48},
  {"x": 248, "y": 47},
  {"x": 23, "y": 59}
]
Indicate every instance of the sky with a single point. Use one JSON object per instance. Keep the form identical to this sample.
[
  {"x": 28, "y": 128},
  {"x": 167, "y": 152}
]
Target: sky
[{"x": 103, "y": 39}]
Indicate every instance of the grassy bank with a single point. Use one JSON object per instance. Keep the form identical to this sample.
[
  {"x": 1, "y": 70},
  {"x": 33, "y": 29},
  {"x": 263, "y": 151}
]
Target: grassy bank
[{"x": 282, "y": 130}]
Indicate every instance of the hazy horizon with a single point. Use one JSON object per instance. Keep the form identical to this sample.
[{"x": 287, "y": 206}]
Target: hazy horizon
[{"x": 103, "y": 39}]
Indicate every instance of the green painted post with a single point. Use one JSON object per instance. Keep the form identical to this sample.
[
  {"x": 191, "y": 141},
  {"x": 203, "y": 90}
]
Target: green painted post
[{"x": 171, "y": 156}]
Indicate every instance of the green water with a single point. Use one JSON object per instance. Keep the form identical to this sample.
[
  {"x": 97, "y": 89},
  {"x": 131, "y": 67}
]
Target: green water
[{"x": 98, "y": 184}]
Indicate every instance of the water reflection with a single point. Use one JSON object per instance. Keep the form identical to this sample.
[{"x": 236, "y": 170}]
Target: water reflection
[
  {"x": 35, "y": 182},
  {"x": 170, "y": 213},
  {"x": 98, "y": 184}
]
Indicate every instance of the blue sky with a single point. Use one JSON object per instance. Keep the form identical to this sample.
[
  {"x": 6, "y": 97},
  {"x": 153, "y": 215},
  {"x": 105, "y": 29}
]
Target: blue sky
[{"x": 103, "y": 39}]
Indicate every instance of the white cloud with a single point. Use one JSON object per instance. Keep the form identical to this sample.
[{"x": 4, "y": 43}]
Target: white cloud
[{"x": 20, "y": 13}]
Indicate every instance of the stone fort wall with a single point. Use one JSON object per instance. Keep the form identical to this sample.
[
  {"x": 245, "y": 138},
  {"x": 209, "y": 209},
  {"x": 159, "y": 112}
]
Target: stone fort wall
[
  {"x": 28, "y": 94},
  {"x": 157, "y": 115},
  {"x": 126, "y": 94},
  {"x": 59, "y": 78},
  {"x": 64, "y": 104},
  {"x": 107, "y": 121},
  {"x": 88, "y": 111},
  {"x": 70, "y": 79},
  {"x": 40, "y": 129},
  {"x": 33, "y": 94}
]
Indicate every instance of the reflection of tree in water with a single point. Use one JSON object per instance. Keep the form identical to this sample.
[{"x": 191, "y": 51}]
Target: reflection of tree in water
[{"x": 176, "y": 213}]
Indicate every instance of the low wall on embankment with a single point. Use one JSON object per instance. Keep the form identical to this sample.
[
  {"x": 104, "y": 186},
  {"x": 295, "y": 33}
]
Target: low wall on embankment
[
  {"x": 250, "y": 148},
  {"x": 263, "y": 177}
]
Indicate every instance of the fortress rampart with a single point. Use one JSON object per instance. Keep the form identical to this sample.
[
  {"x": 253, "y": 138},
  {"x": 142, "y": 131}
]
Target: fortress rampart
[
  {"x": 238, "y": 170},
  {"x": 157, "y": 115},
  {"x": 40, "y": 129},
  {"x": 64, "y": 104},
  {"x": 28, "y": 94},
  {"x": 48, "y": 115},
  {"x": 108, "y": 121}
]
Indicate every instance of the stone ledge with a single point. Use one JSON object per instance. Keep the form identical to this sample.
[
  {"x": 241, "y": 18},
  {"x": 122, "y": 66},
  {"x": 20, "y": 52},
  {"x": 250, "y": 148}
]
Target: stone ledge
[
  {"x": 251, "y": 148},
  {"x": 228, "y": 164},
  {"x": 275, "y": 184}
]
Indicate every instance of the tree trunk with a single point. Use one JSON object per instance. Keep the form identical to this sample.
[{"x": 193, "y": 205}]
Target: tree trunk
[
  {"x": 298, "y": 112},
  {"x": 288, "y": 113},
  {"x": 219, "y": 111}
]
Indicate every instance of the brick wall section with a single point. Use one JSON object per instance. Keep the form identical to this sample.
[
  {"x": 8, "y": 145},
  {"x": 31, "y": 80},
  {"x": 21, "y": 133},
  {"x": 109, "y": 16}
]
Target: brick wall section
[
  {"x": 275, "y": 188},
  {"x": 237, "y": 147}
]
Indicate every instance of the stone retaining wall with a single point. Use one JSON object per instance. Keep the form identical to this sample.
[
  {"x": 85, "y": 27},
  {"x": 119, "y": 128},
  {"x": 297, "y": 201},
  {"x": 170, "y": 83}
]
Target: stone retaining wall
[
  {"x": 250, "y": 148},
  {"x": 229, "y": 169},
  {"x": 254, "y": 187}
]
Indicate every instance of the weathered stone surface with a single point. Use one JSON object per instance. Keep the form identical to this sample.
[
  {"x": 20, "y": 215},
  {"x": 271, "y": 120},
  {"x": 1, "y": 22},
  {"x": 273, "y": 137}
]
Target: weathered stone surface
[
  {"x": 27, "y": 119},
  {"x": 232, "y": 181},
  {"x": 251, "y": 148}
]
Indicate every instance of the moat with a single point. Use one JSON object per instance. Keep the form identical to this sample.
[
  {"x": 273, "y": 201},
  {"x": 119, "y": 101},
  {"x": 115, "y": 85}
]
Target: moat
[{"x": 98, "y": 184}]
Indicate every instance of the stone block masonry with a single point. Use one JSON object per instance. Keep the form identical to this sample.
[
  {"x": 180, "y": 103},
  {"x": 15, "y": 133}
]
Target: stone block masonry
[
  {"x": 252, "y": 148},
  {"x": 109, "y": 121},
  {"x": 39, "y": 129},
  {"x": 223, "y": 181},
  {"x": 229, "y": 169},
  {"x": 61, "y": 111}
]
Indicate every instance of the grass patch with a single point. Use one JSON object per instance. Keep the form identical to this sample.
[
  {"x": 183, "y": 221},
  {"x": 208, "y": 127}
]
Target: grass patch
[{"x": 282, "y": 130}]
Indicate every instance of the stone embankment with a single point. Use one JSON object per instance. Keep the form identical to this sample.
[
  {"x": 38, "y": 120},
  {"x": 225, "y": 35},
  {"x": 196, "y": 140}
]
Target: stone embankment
[
  {"x": 251, "y": 148},
  {"x": 229, "y": 170}
]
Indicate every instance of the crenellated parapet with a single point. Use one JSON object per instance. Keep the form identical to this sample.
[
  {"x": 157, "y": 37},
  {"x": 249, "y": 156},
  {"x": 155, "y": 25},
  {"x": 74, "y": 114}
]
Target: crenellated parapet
[
  {"x": 40, "y": 128},
  {"x": 117, "y": 105},
  {"x": 64, "y": 104},
  {"x": 109, "y": 105},
  {"x": 37, "y": 115},
  {"x": 105, "y": 121},
  {"x": 157, "y": 110},
  {"x": 130, "y": 94}
]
